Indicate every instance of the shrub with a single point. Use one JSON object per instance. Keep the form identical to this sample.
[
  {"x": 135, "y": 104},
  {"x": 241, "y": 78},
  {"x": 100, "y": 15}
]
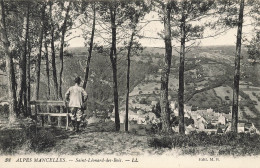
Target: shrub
[
  {"x": 143, "y": 101},
  {"x": 160, "y": 142},
  {"x": 12, "y": 140},
  {"x": 41, "y": 140},
  {"x": 227, "y": 144},
  {"x": 4, "y": 110}
]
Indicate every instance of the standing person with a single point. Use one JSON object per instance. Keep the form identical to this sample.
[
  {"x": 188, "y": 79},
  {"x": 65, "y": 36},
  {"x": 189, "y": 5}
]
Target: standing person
[{"x": 76, "y": 96}]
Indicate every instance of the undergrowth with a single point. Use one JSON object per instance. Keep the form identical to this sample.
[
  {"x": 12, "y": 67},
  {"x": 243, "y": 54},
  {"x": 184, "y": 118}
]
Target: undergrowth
[
  {"x": 195, "y": 143},
  {"x": 28, "y": 139}
]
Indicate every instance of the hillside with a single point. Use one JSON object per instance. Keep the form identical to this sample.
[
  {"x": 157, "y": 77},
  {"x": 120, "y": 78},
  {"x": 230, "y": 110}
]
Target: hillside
[{"x": 205, "y": 67}]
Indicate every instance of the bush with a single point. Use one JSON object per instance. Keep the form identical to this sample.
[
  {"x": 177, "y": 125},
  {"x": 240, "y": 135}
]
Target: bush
[
  {"x": 143, "y": 101},
  {"x": 229, "y": 143},
  {"x": 13, "y": 140},
  {"x": 41, "y": 140},
  {"x": 4, "y": 110},
  {"x": 160, "y": 142}
]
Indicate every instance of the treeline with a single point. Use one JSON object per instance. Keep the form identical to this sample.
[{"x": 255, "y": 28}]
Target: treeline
[{"x": 35, "y": 33}]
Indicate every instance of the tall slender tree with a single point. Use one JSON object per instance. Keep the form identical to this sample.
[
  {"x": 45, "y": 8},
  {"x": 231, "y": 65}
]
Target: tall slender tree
[
  {"x": 46, "y": 54},
  {"x": 166, "y": 9},
  {"x": 113, "y": 13},
  {"x": 39, "y": 56},
  {"x": 9, "y": 65},
  {"x": 136, "y": 12},
  {"x": 28, "y": 77},
  {"x": 185, "y": 13},
  {"x": 53, "y": 55},
  {"x": 63, "y": 32},
  {"x": 22, "y": 101},
  {"x": 181, "y": 72},
  {"x": 113, "y": 59},
  {"x": 91, "y": 43},
  {"x": 237, "y": 68}
]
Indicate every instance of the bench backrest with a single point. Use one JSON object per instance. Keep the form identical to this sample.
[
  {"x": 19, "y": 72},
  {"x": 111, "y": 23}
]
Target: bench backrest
[{"x": 48, "y": 102}]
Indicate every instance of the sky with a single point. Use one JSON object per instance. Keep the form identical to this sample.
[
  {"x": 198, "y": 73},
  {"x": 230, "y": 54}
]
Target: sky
[{"x": 153, "y": 28}]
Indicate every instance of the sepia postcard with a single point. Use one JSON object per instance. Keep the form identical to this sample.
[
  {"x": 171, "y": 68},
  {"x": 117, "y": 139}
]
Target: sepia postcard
[{"x": 129, "y": 83}]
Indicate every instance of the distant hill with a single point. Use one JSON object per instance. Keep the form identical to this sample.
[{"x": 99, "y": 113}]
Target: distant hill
[{"x": 144, "y": 64}]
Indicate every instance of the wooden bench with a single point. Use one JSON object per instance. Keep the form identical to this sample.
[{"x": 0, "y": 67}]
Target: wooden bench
[{"x": 63, "y": 112}]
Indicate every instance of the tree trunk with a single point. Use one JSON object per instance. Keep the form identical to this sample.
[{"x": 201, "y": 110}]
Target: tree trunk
[
  {"x": 28, "y": 79},
  {"x": 53, "y": 59},
  {"x": 237, "y": 69},
  {"x": 128, "y": 78},
  {"x": 22, "y": 104},
  {"x": 90, "y": 47},
  {"x": 164, "y": 102},
  {"x": 47, "y": 67},
  {"x": 64, "y": 29},
  {"x": 9, "y": 66},
  {"x": 39, "y": 56},
  {"x": 181, "y": 77},
  {"x": 113, "y": 59}
]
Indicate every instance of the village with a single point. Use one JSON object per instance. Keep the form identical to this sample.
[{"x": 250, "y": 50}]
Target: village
[{"x": 206, "y": 120}]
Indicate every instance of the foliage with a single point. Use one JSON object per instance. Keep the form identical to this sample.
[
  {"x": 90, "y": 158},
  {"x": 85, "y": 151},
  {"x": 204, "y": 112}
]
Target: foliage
[
  {"x": 143, "y": 101},
  {"x": 241, "y": 143},
  {"x": 160, "y": 142},
  {"x": 187, "y": 121},
  {"x": 253, "y": 48},
  {"x": 28, "y": 139},
  {"x": 41, "y": 140},
  {"x": 4, "y": 110}
]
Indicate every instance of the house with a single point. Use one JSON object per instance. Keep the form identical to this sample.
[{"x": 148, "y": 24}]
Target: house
[
  {"x": 241, "y": 127},
  {"x": 210, "y": 110},
  {"x": 187, "y": 115},
  {"x": 187, "y": 108},
  {"x": 222, "y": 120},
  {"x": 153, "y": 103},
  {"x": 250, "y": 127},
  {"x": 228, "y": 128},
  {"x": 150, "y": 116},
  {"x": 190, "y": 129},
  {"x": 214, "y": 122},
  {"x": 141, "y": 120},
  {"x": 140, "y": 112},
  {"x": 132, "y": 116},
  {"x": 200, "y": 123},
  {"x": 228, "y": 117}
]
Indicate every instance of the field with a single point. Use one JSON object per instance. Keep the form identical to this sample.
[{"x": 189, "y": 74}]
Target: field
[
  {"x": 205, "y": 99},
  {"x": 145, "y": 88},
  {"x": 253, "y": 93},
  {"x": 222, "y": 92}
]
